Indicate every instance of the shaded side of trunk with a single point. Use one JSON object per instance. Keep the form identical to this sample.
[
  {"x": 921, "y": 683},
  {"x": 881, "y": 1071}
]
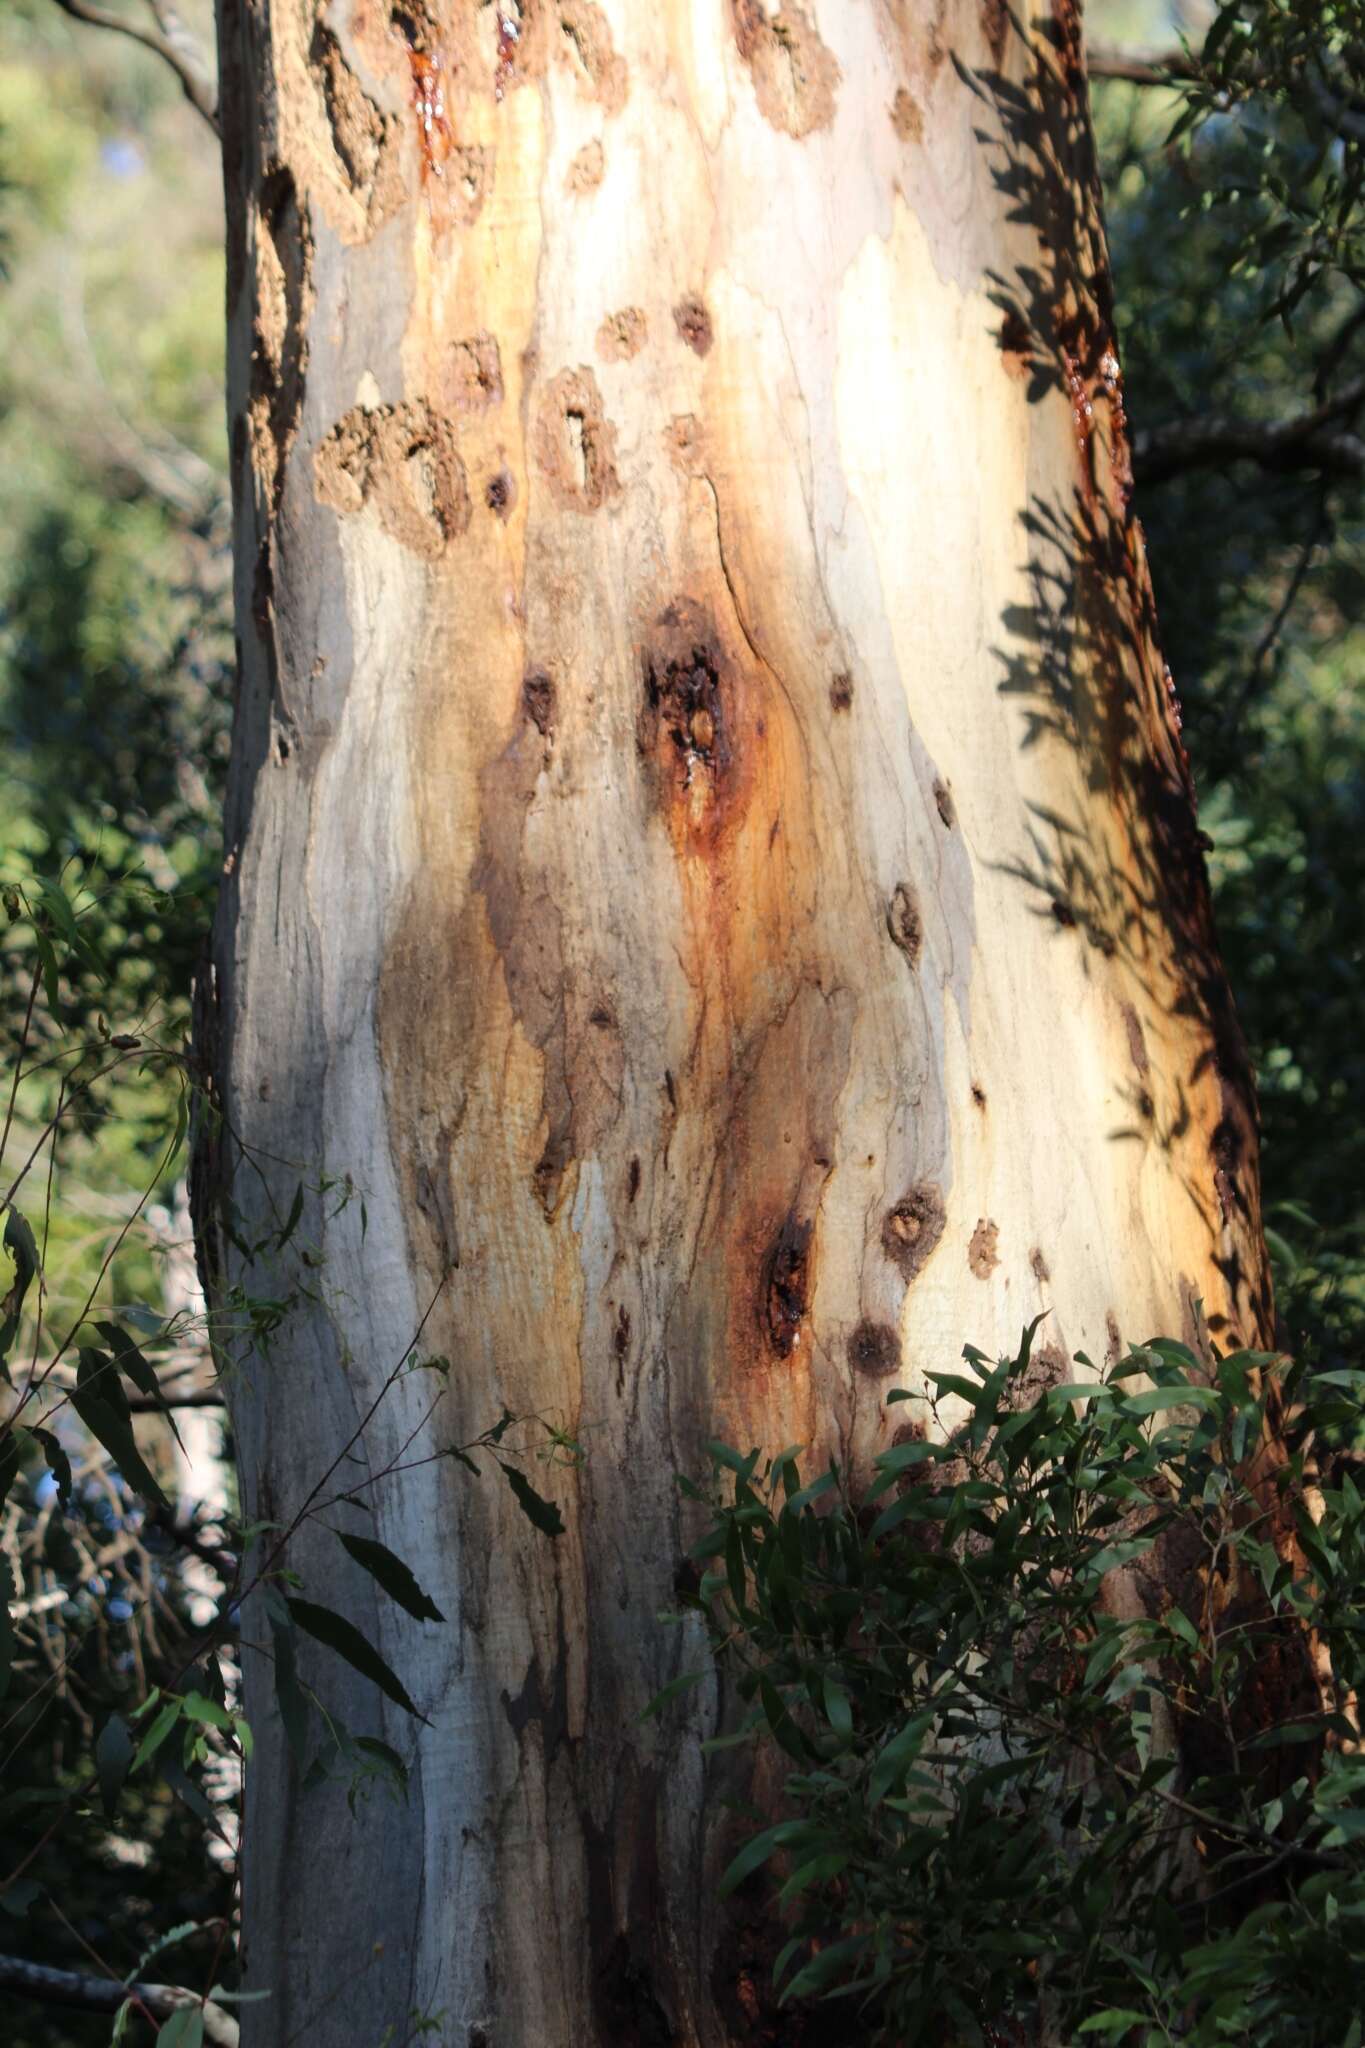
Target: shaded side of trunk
[{"x": 710, "y": 865}]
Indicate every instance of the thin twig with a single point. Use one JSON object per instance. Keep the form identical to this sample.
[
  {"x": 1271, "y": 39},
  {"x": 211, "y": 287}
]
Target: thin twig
[{"x": 178, "y": 51}]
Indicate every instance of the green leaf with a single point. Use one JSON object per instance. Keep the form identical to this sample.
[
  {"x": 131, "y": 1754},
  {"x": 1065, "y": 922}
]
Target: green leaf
[
  {"x": 10, "y": 1459},
  {"x": 757, "y": 1852},
  {"x": 289, "y": 1694},
  {"x": 48, "y": 961},
  {"x": 671, "y": 1691},
  {"x": 392, "y": 1574},
  {"x": 131, "y": 1362},
  {"x": 99, "y": 1400},
  {"x": 184, "y": 2029},
  {"x": 6, "y": 1627},
  {"x": 897, "y": 1756},
  {"x": 58, "y": 1464},
  {"x": 838, "y": 1707},
  {"x": 537, "y": 1510},
  {"x": 156, "y": 1734},
  {"x": 1156, "y": 1398},
  {"x": 336, "y": 1633},
  {"x": 20, "y": 1245},
  {"x": 196, "y": 1707},
  {"x": 113, "y": 1759},
  {"x": 387, "y": 1759}
]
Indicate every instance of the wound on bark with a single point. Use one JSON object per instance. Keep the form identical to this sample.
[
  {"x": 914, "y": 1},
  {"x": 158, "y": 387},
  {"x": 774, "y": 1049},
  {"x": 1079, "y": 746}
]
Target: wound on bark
[
  {"x": 874, "y": 1349},
  {"x": 904, "y": 923},
  {"x": 693, "y": 323},
  {"x": 538, "y": 696},
  {"x": 913, "y": 1228},
  {"x": 786, "y": 1289}
]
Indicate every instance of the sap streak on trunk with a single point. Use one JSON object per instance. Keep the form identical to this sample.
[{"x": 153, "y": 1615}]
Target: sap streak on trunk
[{"x": 709, "y": 856}]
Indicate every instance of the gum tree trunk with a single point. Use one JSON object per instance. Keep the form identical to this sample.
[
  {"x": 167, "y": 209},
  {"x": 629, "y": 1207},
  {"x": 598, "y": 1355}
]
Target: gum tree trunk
[{"x": 710, "y": 860}]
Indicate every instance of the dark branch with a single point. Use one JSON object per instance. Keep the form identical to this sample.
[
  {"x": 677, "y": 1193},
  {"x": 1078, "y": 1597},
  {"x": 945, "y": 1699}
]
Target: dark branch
[
  {"x": 107, "y": 1994},
  {"x": 143, "y": 1404},
  {"x": 1316, "y": 440},
  {"x": 1140, "y": 67},
  {"x": 171, "y": 43}
]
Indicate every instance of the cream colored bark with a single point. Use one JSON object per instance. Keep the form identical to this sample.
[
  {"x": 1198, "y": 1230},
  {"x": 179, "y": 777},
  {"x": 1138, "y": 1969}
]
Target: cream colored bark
[{"x": 710, "y": 856}]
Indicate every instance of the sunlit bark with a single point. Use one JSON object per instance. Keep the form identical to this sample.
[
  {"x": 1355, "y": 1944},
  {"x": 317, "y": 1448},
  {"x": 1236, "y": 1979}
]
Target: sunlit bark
[{"x": 710, "y": 857}]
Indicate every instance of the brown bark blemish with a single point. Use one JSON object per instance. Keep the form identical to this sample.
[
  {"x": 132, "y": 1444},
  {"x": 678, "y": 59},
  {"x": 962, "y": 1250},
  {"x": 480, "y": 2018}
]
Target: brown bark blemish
[
  {"x": 473, "y": 378},
  {"x": 841, "y": 691},
  {"x": 874, "y": 1349},
  {"x": 284, "y": 302},
  {"x": 1113, "y": 1350},
  {"x": 913, "y": 1228},
  {"x": 633, "y": 1180},
  {"x": 982, "y": 1254},
  {"x": 587, "y": 170},
  {"x": 904, "y": 922},
  {"x": 399, "y": 461},
  {"x": 622, "y": 335},
  {"x": 587, "y": 45},
  {"x": 538, "y": 698},
  {"x": 995, "y": 21},
  {"x": 787, "y": 1285},
  {"x": 575, "y": 443},
  {"x": 688, "y": 727},
  {"x": 906, "y": 118},
  {"x": 683, "y": 440},
  {"x": 365, "y": 140},
  {"x": 693, "y": 323},
  {"x": 943, "y": 801},
  {"x": 1137, "y": 1044},
  {"x": 1015, "y": 342},
  {"x": 500, "y": 493},
  {"x": 1039, "y": 1264},
  {"x": 794, "y": 75},
  {"x": 978, "y": 1095}
]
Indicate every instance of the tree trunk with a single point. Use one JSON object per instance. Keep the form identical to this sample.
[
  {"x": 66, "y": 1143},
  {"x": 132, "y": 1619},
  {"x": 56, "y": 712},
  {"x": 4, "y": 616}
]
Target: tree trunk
[{"x": 710, "y": 858}]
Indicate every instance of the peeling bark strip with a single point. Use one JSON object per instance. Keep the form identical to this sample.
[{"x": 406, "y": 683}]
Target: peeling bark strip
[{"x": 726, "y": 876}]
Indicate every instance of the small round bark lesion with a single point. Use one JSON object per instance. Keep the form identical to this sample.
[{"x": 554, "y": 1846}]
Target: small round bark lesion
[{"x": 913, "y": 1228}]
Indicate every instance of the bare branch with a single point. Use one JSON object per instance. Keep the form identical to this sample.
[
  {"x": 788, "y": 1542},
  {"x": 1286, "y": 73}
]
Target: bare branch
[
  {"x": 100, "y": 1994},
  {"x": 1139, "y": 67},
  {"x": 170, "y": 41},
  {"x": 1314, "y": 441}
]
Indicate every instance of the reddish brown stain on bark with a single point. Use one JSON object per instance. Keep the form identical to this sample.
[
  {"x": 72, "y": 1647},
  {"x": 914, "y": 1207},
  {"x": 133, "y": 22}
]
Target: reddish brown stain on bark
[
  {"x": 587, "y": 170},
  {"x": 622, "y": 335},
  {"x": 473, "y": 381},
  {"x": 874, "y": 1349},
  {"x": 693, "y": 323},
  {"x": 906, "y": 118},
  {"x": 982, "y": 1254},
  {"x": 913, "y": 1228},
  {"x": 905, "y": 923},
  {"x": 794, "y": 75},
  {"x": 841, "y": 691},
  {"x": 575, "y": 443},
  {"x": 787, "y": 1288},
  {"x": 400, "y": 462}
]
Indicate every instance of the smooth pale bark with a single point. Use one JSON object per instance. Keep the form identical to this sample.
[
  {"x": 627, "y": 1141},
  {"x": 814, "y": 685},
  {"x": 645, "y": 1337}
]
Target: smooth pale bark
[{"x": 710, "y": 857}]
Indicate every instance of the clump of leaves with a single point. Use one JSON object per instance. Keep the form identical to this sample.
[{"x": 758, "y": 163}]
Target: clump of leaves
[{"x": 1066, "y": 1758}]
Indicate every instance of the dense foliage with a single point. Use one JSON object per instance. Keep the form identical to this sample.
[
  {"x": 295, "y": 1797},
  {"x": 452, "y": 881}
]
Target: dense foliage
[{"x": 1060, "y": 1749}]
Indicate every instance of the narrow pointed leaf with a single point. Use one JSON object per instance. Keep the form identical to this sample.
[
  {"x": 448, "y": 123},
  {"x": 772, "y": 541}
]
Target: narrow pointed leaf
[{"x": 392, "y": 1574}]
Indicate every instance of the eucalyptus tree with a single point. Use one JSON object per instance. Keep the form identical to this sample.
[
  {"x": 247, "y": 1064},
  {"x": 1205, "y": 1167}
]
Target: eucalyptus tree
[{"x": 713, "y": 911}]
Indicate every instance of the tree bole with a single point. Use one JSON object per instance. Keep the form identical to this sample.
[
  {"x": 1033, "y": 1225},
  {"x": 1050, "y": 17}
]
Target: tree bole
[{"x": 709, "y": 856}]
